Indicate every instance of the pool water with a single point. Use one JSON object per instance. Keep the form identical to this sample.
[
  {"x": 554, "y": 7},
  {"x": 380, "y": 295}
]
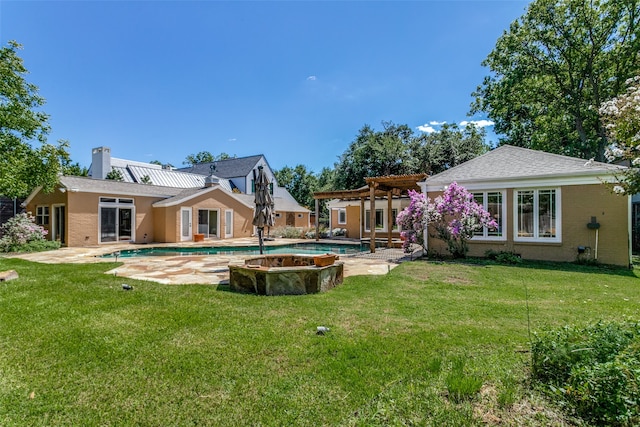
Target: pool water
[{"x": 295, "y": 248}]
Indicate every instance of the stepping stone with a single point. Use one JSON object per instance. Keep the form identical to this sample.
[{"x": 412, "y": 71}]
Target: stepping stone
[{"x": 8, "y": 275}]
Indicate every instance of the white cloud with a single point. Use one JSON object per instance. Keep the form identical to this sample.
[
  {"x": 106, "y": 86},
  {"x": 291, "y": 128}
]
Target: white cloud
[
  {"x": 435, "y": 123},
  {"x": 477, "y": 123},
  {"x": 312, "y": 78},
  {"x": 426, "y": 128},
  {"x": 231, "y": 139}
]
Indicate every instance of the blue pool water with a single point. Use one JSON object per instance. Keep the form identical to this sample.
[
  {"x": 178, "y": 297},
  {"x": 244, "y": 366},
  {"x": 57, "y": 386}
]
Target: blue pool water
[{"x": 295, "y": 248}]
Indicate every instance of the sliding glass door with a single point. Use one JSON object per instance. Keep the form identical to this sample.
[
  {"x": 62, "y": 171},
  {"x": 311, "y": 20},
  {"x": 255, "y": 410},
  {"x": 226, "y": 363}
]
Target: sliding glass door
[
  {"x": 117, "y": 222},
  {"x": 208, "y": 222}
]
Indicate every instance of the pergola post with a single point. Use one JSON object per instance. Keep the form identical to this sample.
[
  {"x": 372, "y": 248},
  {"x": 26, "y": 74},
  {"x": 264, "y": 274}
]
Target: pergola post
[
  {"x": 372, "y": 218},
  {"x": 318, "y": 220},
  {"x": 389, "y": 220},
  {"x": 362, "y": 217}
]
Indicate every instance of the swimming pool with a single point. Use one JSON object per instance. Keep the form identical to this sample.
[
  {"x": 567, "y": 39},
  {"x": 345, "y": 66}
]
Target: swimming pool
[{"x": 293, "y": 248}]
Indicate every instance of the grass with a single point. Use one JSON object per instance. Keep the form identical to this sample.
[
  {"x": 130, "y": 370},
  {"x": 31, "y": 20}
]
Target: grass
[{"x": 76, "y": 349}]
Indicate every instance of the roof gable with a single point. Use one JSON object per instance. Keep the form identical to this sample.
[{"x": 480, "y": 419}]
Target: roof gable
[{"x": 514, "y": 163}]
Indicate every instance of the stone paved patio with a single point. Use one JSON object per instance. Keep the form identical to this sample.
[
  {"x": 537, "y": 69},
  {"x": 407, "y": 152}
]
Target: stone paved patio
[{"x": 205, "y": 269}]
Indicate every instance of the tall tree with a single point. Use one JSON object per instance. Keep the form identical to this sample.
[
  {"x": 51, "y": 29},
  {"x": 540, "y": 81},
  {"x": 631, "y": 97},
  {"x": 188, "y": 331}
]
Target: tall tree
[
  {"x": 201, "y": 157},
  {"x": 374, "y": 153},
  {"x": 438, "y": 151},
  {"x": 300, "y": 182},
  {"x": 27, "y": 160},
  {"x": 553, "y": 68},
  {"x": 206, "y": 157}
]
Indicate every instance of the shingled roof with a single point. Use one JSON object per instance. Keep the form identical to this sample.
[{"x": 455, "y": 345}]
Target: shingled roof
[
  {"x": 516, "y": 163},
  {"x": 229, "y": 168}
]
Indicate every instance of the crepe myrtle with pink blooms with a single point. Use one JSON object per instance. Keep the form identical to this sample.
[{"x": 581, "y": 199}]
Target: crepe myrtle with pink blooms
[{"x": 455, "y": 216}]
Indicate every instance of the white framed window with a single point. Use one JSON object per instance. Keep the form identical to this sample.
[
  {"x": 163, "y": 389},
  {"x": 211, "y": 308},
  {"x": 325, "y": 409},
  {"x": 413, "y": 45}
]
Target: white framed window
[
  {"x": 342, "y": 216},
  {"x": 379, "y": 219},
  {"x": 492, "y": 202},
  {"x": 537, "y": 215},
  {"x": 300, "y": 215},
  {"x": 278, "y": 215},
  {"x": 42, "y": 215}
]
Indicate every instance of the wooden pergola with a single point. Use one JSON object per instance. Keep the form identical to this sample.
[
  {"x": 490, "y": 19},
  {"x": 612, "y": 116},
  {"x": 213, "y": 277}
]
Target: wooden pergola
[{"x": 377, "y": 187}]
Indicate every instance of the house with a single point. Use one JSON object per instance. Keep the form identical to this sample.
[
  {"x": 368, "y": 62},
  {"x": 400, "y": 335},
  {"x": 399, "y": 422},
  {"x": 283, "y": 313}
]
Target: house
[
  {"x": 547, "y": 206},
  {"x": 152, "y": 203}
]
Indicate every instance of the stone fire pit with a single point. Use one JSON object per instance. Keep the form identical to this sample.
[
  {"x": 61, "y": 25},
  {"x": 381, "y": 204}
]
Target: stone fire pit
[{"x": 285, "y": 274}]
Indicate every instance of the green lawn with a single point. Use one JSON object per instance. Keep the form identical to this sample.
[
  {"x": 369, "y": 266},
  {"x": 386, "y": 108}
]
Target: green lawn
[{"x": 76, "y": 349}]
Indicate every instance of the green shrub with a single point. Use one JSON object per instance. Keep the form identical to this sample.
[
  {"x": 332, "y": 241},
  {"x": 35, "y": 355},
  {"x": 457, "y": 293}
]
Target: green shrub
[
  {"x": 593, "y": 370},
  {"x": 503, "y": 257},
  {"x": 556, "y": 352},
  {"x": 287, "y": 232}
]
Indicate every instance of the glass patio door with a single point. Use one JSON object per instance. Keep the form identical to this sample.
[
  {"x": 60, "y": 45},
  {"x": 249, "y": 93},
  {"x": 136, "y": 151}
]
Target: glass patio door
[
  {"x": 116, "y": 224},
  {"x": 208, "y": 222},
  {"x": 185, "y": 224},
  {"x": 59, "y": 220}
]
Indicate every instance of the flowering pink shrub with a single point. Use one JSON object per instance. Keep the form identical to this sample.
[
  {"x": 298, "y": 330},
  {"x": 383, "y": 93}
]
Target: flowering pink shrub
[
  {"x": 20, "y": 230},
  {"x": 412, "y": 220},
  {"x": 455, "y": 216}
]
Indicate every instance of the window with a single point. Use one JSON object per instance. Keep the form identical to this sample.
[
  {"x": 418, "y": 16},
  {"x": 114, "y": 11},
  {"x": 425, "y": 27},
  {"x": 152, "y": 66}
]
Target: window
[
  {"x": 394, "y": 214},
  {"x": 342, "y": 216},
  {"x": 492, "y": 201},
  {"x": 379, "y": 219},
  {"x": 42, "y": 215},
  {"x": 537, "y": 215}
]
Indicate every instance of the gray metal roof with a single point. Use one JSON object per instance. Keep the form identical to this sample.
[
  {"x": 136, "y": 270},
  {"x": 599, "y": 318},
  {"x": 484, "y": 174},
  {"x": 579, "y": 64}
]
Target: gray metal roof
[
  {"x": 166, "y": 178},
  {"x": 230, "y": 168},
  {"x": 509, "y": 162}
]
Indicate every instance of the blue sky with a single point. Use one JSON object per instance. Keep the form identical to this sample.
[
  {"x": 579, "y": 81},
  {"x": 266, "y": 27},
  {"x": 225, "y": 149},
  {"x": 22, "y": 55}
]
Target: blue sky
[{"x": 294, "y": 80}]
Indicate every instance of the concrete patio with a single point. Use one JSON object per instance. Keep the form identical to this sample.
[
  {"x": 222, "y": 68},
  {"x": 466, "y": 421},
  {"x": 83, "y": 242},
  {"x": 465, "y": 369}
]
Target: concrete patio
[{"x": 206, "y": 269}]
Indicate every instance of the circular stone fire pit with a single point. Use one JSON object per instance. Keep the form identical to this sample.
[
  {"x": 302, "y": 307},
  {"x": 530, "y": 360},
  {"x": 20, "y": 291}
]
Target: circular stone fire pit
[{"x": 286, "y": 274}]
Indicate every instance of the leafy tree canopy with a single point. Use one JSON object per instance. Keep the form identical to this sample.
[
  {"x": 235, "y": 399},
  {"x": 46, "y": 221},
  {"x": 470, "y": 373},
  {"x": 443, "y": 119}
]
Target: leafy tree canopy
[
  {"x": 553, "y": 68},
  {"x": 300, "y": 182},
  {"x": 438, "y": 151},
  {"x": 27, "y": 159},
  {"x": 375, "y": 153},
  {"x": 115, "y": 175},
  {"x": 206, "y": 157},
  {"x": 397, "y": 150}
]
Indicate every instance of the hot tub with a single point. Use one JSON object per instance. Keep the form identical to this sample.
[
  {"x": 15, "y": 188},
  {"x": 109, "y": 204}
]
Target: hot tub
[{"x": 284, "y": 275}]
